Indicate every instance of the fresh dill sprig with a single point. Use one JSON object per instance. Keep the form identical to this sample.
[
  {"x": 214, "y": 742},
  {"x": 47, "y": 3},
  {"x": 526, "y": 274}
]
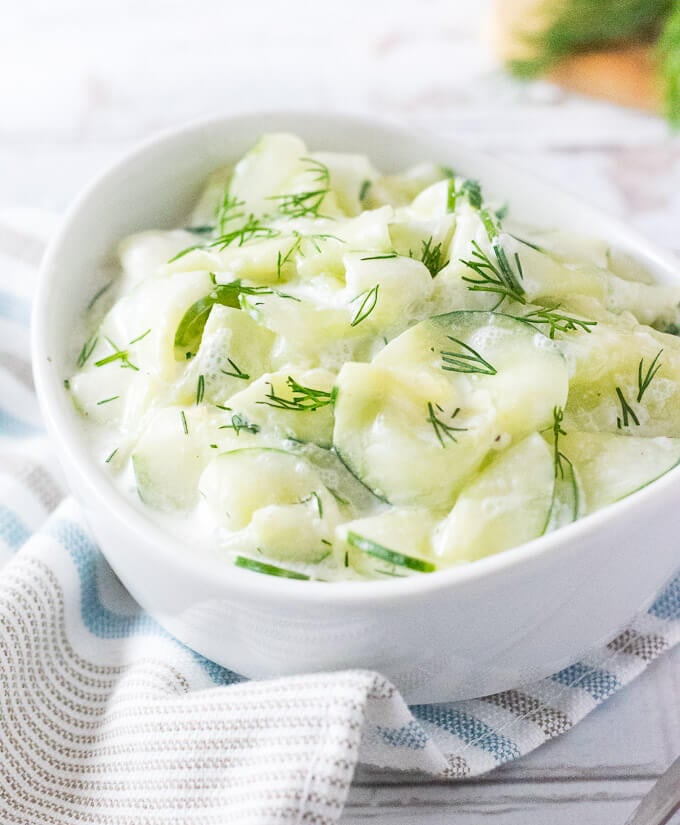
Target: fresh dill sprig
[
  {"x": 106, "y": 400},
  {"x": 200, "y": 389},
  {"x": 111, "y": 455},
  {"x": 87, "y": 350},
  {"x": 185, "y": 426},
  {"x": 442, "y": 429},
  {"x": 469, "y": 189},
  {"x": 432, "y": 255},
  {"x": 627, "y": 412},
  {"x": 495, "y": 278},
  {"x": 369, "y": 299},
  {"x": 282, "y": 260},
  {"x": 228, "y": 210},
  {"x": 139, "y": 337},
  {"x": 252, "y": 229},
  {"x": 468, "y": 360},
  {"x": 304, "y": 399},
  {"x": 306, "y": 203},
  {"x": 383, "y": 256},
  {"x": 557, "y": 321},
  {"x": 558, "y": 456},
  {"x": 121, "y": 355},
  {"x": 240, "y": 422},
  {"x": 237, "y": 372},
  {"x": 645, "y": 380}
]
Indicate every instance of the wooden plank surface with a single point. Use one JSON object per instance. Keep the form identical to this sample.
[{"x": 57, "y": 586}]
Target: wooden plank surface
[{"x": 80, "y": 82}]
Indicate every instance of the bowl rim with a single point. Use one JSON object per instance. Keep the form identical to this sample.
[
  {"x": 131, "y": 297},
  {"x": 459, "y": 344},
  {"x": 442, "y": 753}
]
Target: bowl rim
[{"x": 376, "y": 593}]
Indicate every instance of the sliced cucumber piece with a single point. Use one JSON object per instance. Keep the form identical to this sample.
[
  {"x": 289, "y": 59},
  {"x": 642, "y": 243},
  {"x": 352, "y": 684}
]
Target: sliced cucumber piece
[
  {"x": 301, "y": 532},
  {"x": 609, "y": 368},
  {"x": 507, "y": 504},
  {"x": 392, "y": 543},
  {"x": 522, "y": 373},
  {"x": 411, "y": 438},
  {"x": 385, "y": 291},
  {"x": 295, "y": 404},
  {"x": 233, "y": 352},
  {"x": 237, "y": 483},
  {"x": 268, "y": 569},
  {"x": 611, "y": 467},
  {"x": 169, "y": 457}
]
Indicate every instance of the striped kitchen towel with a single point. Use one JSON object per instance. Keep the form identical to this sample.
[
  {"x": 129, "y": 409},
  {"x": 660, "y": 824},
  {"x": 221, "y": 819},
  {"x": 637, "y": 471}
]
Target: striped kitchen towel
[{"x": 107, "y": 720}]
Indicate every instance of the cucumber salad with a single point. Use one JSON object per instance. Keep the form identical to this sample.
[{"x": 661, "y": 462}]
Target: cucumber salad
[{"x": 331, "y": 373}]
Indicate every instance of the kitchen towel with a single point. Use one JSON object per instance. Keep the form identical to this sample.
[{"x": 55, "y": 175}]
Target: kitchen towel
[{"x": 107, "y": 720}]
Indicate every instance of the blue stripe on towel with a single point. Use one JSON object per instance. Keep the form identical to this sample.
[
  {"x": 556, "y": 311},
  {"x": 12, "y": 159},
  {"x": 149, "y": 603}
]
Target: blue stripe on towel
[
  {"x": 100, "y": 620},
  {"x": 12, "y": 530},
  {"x": 470, "y": 729},
  {"x": 12, "y": 426},
  {"x": 598, "y": 683},
  {"x": 667, "y": 606}
]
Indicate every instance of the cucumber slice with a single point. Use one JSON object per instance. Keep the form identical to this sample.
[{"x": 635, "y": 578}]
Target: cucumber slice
[
  {"x": 169, "y": 457},
  {"x": 611, "y": 467},
  {"x": 411, "y": 438},
  {"x": 506, "y": 505},
  {"x": 609, "y": 365},
  {"x": 237, "y": 483},
  {"x": 295, "y": 404},
  {"x": 385, "y": 290},
  {"x": 391, "y": 543},
  {"x": 268, "y": 569},
  {"x": 233, "y": 352},
  {"x": 523, "y": 375},
  {"x": 301, "y": 532}
]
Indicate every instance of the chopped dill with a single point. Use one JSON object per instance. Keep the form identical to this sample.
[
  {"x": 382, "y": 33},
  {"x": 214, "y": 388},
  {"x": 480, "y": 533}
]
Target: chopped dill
[
  {"x": 117, "y": 355},
  {"x": 382, "y": 257},
  {"x": 432, "y": 255},
  {"x": 498, "y": 278},
  {"x": 304, "y": 399},
  {"x": 557, "y": 321},
  {"x": 185, "y": 426},
  {"x": 200, "y": 389},
  {"x": 645, "y": 380},
  {"x": 306, "y": 203},
  {"x": 111, "y": 455},
  {"x": 363, "y": 189},
  {"x": 139, "y": 337},
  {"x": 106, "y": 400},
  {"x": 236, "y": 373},
  {"x": 368, "y": 303},
  {"x": 240, "y": 422},
  {"x": 468, "y": 360},
  {"x": 228, "y": 210},
  {"x": 252, "y": 229},
  {"x": 627, "y": 412},
  {"x": 558, "y": 456},
  {"x": 442, "y": 429},
  {"x": 86, "y": 351}
]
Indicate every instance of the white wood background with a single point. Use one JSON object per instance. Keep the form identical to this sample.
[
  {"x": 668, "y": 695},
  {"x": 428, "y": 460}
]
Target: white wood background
[{"x": 81, "y": 81}]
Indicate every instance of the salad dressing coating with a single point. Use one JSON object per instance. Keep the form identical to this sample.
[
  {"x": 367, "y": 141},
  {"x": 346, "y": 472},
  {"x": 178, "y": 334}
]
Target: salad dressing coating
[{"x": 333, "y": 373}]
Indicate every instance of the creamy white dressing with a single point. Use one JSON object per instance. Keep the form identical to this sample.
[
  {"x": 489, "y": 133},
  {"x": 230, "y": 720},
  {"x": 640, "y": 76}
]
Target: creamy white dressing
[{"x": 403, "y": 367}]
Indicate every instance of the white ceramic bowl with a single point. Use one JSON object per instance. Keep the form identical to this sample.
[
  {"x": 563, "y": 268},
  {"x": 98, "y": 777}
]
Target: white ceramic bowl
[{"x": 463, "y": 632}]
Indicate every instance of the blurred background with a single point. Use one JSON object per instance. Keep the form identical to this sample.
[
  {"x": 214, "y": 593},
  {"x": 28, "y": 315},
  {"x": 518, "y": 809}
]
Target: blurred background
[{"x": 82, "y": 81}]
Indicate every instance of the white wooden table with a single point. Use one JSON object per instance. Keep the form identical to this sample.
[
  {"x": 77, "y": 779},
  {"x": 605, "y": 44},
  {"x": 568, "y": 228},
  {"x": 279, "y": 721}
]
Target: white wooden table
[{"x": 80, "y": 82}]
